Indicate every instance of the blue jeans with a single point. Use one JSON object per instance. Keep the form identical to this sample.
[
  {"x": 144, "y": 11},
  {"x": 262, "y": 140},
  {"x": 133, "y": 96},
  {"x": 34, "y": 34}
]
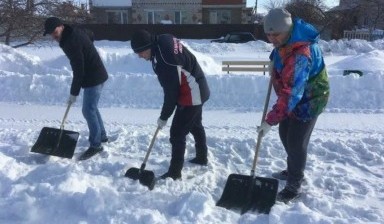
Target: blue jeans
[{"x": 92, "y": 115}]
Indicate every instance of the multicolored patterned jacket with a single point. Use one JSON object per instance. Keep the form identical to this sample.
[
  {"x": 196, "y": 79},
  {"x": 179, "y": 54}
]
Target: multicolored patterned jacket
[{"x": 299, "y": 76}]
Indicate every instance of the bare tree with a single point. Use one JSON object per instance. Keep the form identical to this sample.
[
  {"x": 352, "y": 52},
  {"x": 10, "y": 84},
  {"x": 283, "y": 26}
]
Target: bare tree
[
  {"x": 341, "y": 21},
  {"x": 312, "y": 11},
  {"x": 372, "y": 13},
  {"x": 271, "y": 4},
  {"x": 367, "y": 14},
  {"x": 21, "y": 21}
]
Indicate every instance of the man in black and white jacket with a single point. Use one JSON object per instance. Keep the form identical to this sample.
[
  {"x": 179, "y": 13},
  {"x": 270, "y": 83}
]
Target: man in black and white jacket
[{"x": 185, "y": 88}]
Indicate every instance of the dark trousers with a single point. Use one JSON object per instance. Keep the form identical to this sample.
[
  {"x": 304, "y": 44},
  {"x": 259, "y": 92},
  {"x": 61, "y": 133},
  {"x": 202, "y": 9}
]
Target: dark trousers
[
  {"x": 186, "y": 120},
  {"x": 295, "y": 135}
]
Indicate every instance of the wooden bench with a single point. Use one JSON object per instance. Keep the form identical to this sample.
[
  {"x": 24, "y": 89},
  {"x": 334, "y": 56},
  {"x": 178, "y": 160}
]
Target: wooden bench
[{"x": 245, "y": 66}]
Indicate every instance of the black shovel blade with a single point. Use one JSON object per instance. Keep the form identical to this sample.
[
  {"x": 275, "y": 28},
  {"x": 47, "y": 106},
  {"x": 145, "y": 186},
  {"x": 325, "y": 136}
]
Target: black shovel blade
[
  {"x": 48, "y": 142},
  {"x": 146, "y": 178},
  {"x": 242, "y": 192}
]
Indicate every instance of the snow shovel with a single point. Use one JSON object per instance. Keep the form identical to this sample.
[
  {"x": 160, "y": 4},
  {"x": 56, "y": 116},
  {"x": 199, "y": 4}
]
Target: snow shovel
[
  {"x": 57, "y": 142},
  {"x": 249, "y": 192},
  {"x": 146, "y": 178}
]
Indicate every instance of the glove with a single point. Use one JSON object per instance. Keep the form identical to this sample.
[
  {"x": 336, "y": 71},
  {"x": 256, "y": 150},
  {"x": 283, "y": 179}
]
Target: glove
[
  {"x": 263, "y": 128},
  {"x": 161, "y": 123},
  {"x": 72, "y": 99}
]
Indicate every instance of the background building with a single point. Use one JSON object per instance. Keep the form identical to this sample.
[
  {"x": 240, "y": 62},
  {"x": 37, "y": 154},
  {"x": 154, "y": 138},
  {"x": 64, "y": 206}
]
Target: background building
[
  {"x": 170, "y": 12},
  {"x": 225, "y": 12},
  {"x": 166, "y": 12},
  {"x": 111, "y": 12}
]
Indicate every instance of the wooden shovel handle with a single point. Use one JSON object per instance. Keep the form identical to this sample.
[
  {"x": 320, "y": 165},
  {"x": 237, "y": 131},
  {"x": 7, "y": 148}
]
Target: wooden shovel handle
[
  {"x": 65, "y": 116},
  {"x": 260, "y": 135},
  {"x": 149, "y": 149},
  {"x": 62, "y": 125}
]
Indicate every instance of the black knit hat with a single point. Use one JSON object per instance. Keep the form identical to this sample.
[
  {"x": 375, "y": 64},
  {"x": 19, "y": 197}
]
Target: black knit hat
[
  {"x": 50, "y": 25},
  {"x": 141, "y": 41}
]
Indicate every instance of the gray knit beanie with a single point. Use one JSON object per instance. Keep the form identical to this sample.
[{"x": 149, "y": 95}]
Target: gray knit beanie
[{"x": 277, "y": 20}]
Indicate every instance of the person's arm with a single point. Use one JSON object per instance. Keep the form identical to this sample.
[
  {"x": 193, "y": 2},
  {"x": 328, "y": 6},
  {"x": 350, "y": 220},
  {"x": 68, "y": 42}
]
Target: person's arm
[
  {"x": 169, "y": 80},
  {"x": 76, "y": 58},
  {"x": 168, "y": 74}
]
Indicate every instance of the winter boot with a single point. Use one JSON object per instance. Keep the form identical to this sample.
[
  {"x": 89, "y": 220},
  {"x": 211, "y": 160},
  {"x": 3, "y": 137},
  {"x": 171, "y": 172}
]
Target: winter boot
[
  {"x": 105, "y": 140},
  {"x": 199, "y": 161},
  {"x": 91, "y": 151},
  {"x": 288, "y": 194},
  {"x": 174, "y": 170},
  {"x": 174, "y": 176},
  {"x": 282, "y": 175},
  {"x": 201, "y": 155}
]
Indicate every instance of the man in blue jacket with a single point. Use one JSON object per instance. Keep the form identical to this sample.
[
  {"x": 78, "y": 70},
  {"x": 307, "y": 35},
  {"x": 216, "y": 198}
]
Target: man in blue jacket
[
  {"x": 185, "y": 89},
  {"x": 89, "y": 73}
]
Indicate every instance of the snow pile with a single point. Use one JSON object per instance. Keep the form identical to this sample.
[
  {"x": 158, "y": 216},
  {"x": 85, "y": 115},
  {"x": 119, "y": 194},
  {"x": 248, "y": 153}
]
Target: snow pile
[
  {"x": 47, "y": 81},
  {"x": 344, "y": 167}
]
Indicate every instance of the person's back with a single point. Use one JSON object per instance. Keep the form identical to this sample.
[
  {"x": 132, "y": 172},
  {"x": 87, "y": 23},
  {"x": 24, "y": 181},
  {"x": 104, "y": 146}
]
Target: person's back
[
  {"x": 170, "y": 52},
  {"x": 85, "y": 60},
  {"x": 179, "y": 74}
]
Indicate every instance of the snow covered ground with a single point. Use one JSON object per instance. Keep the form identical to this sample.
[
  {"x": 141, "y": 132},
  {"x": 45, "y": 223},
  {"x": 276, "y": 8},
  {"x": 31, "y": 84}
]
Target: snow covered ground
[{"x": 345, "y": 168}]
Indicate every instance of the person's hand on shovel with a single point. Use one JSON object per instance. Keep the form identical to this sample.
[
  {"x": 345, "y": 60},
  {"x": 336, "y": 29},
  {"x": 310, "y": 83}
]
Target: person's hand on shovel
[
  {"x": 263, "y": 128},
  {"x": 161, "y": 123},
  {"x": 71, "y": 99}
]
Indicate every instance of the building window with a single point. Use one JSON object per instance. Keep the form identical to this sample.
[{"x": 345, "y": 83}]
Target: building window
[
  {"x": 153, "y": 17},
  {"x": 220, "y": 17},
  {"x": 117, "y": 17},
  {"x": 213, "y": 17},
  {"x": 224, "y": 17},
  {"x": 180, "y": 17}
]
